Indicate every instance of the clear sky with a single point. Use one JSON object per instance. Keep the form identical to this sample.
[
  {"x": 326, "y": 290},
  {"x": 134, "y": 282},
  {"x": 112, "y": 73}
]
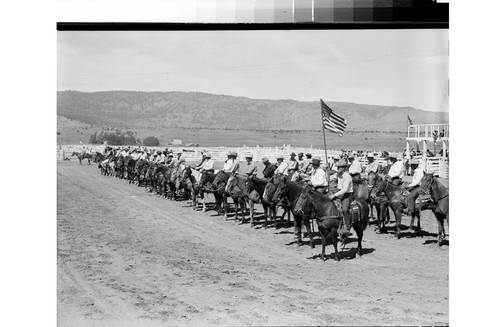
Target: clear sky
[{"x": 385, "y": 67}]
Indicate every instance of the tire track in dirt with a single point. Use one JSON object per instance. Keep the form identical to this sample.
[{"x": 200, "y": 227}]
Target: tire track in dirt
[{"x": 190, "y": 268}]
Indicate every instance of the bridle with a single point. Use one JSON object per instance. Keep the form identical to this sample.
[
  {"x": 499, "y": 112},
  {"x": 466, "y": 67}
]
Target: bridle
[
  {"x": 429, "y": 186},
  {"x": 318, "y": 214}
]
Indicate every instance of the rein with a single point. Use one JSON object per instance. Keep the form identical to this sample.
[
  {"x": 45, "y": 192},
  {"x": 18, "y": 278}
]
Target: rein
[{"x": 318, "y": 215}]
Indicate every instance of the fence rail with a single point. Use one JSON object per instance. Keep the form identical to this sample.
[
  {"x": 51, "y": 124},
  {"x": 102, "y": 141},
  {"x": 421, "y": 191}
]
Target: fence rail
[{"x": 437, "y": 165}]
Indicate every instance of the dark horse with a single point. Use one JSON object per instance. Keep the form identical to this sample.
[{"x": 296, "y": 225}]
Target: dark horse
[
  {"x": 329, "y": 219},
  {"x": 259, "y": 185},
  {"x": 211, "y": 183},
  {"x": 289, "y": 193},
  {"x": 398, "y": 201},
  {"x": 440, "y": 198},
  {"x": 192, "y": 185},
  {"x": 160, "y": 178},
  {"x": 82, "y": 156},
  {"x": 380, "y": 202}
]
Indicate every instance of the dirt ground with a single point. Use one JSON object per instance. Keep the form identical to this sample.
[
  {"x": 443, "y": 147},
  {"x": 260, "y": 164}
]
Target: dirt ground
[{"x": 126, "y": 257}]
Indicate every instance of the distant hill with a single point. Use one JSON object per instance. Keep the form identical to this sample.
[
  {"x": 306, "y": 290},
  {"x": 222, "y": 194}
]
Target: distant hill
[{"x": 195, "y": 109}]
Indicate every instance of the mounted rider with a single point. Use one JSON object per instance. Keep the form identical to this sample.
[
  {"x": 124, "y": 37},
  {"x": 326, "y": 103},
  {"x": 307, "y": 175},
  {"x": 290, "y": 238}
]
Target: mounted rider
[
  {"x": 207, "y": 164},
  {"x": 343, "y": 192},
  {"x": 333, "y": 165},
  {"x": 355, "y": 167},
  {"x": 169, "y": 160},
  {"x": 413, "y": 187},
  {"x": 293, "y": 168},
  {"x": 318, "y": 177},
  {"x": 306, "y": 165},
  {"x": 231, "y": 165},
  {"x": 281, "y": 167},
  {"x": 269, "y": 169},
  {"x": 300, "y": 160},
  {"x": 203, "y": 159},
  {"x": 372, "y": 165},
  {"x": 250, "y": 167},
  {"x": 395, "y": 174}
]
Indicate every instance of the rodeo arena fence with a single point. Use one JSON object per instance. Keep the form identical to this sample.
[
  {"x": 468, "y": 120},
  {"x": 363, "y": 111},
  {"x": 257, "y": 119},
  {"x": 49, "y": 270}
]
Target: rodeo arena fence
[{"x": 437, "y": 165}]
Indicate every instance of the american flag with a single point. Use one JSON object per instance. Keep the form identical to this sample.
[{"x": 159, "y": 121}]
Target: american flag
[
  {"x": 332, "y": 121},
  {"x": 409, "y": 120}
]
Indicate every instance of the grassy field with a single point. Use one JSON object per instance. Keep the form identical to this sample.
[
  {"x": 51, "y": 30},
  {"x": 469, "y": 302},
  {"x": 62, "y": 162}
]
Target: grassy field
[{"x": 74, "y": 132}]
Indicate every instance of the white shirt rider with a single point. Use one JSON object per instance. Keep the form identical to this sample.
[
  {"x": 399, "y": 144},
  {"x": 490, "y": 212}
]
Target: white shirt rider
[
  {"x": 397, "y": 169},
  {"x": 355, "y": 167},
  {"x": 282, "y": 169},
  {"x": 318, "y": 177},
  {"x": 418, "y": 174}
]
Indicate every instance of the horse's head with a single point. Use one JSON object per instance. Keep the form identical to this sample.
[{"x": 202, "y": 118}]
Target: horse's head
[
  {"x": 372, "y": 178},
  {"x": 204, "y": 178},
  {"x": 425, "y": 183},
  {"x": 380, "y": 187},
  {"x": 186, "y": 173},
  {"x": 304, "y": 201},
  {"x": 274, "y": 189},
  {"x": 220, "y": 178}
]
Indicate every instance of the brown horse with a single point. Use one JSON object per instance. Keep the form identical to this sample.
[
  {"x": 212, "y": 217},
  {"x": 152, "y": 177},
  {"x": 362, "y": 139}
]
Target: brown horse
[
  {"x": 211, "y": 183},
  {"x": 329, "y": 219},
  {"x": 396, "y": 200},
  {"x": 278, "y": 190},
  {"x": 440, "y": 206},
  {"x": 259, "y": 185},
  {"x": 82, "y": 156},
  {"x": 237, "y": 189},
  {"x": 193, "y": 186}
]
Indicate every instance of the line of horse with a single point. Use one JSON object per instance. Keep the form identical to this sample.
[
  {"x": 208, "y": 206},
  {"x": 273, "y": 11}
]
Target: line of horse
[{"x": 304, "y": 203}]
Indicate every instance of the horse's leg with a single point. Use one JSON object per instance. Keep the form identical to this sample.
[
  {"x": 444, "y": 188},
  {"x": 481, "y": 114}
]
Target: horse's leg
[
  {"x": 225, "y": 205},
  {"x": 202, "y": 197},
  {"x": 193, "y": 195},
  {"x": 398, "y": 213},
  {"x": 298, "y": 231},
  {"x": 335, "y": 240},
  {"x": 241, "y": 203},
  {"x": 441, "y": 232},
  {"x": 251, "y": 207},
  {"x": 307, "y": 222},
  {"x": 359, "y": 233},
  {"x": 323, "y": 244}
]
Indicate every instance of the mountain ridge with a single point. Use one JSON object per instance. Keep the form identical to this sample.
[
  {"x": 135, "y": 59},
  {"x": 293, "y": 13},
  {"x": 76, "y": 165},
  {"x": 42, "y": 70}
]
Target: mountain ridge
[{"x": 199, "y": 109}]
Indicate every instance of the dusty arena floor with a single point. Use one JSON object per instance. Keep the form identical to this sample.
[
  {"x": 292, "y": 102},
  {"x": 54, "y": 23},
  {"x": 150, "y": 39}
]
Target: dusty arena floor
[{"x": 129, "y": 258}]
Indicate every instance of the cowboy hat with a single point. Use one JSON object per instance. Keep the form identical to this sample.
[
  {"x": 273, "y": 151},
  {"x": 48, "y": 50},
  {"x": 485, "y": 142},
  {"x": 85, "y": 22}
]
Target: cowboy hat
[
  {"x": 249, "y": 155},
  {"x": 370, "y": 155},
  {"x": 279, "y": 156},
  {"x": 292, "y": 154},
  {"x": 300, "y": 154},
  {"x": 316, "y": 161},
  {"x": 208, "y": 155},
  {"x": 308, "y": 155},
  {"x": 265, "y": 159},
  {"x": 351, "y": 156},
  {"x": 342, "y": 163}
]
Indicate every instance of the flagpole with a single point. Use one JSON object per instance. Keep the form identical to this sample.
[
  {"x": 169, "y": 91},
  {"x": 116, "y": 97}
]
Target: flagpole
[{"x": 326, "y": 153}]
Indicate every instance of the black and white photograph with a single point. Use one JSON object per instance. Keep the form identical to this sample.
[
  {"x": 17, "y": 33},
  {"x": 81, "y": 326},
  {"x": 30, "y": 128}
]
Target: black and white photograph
[{"x": 253, "y": 177}]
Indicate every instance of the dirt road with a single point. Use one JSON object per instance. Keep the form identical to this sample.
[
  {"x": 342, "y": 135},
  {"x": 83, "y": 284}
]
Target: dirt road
[{"x": 129, "y": 258}]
